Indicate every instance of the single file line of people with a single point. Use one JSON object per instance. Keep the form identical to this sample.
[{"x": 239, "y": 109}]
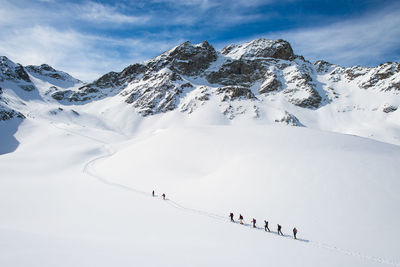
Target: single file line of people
[
  {"x": 253, "y": 221},
  {"x": 266, "y": 228}
]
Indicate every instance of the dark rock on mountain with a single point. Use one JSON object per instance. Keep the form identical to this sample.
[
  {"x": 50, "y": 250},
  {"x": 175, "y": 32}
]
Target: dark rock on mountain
[
  {"x": 186, "y": 59},
  {"x": 270, "y": 84},
  {"x": 322, "y": 66},
  {"x": 7, "y": 113},
  {"x": 289, "y": 119},
  {"x": 279, "y": 49},
  {"x": 235, "y": 92},
  {"x": 382, "y": 72},
  {"x": 239, "y": 72},
  {"x": 48, "y": 71},
  {"x": 389, "y": 108},
  {"x": 15, "y": 73},
  {"x": 160, "y": 93}
]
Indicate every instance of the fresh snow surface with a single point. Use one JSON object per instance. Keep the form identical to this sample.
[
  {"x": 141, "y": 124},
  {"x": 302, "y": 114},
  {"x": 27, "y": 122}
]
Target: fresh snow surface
[
  {"x": 77, "y": 192},
  {"x": 76, "y": 182}
]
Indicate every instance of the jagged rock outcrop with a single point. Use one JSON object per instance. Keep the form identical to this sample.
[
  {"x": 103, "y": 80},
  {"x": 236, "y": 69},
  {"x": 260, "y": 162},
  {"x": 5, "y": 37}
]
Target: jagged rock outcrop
[
  {"x": 48, "y": 71},
  {"x": 260, "y": 48},
  {"x": 238, "y": 72},
  {"x": 185, "y": 59},
  {"x": 232, "y": 92},
  {"x": 15, "y": 73},
  {"x": 270, "y": 84},
  {"x": 289, "y": 119},
  {"x": 160, "y": 93},
  {"x": 241, "y": 78},
  {"x": 389, "y": 108},
  {"x": 7, "y": 113}
]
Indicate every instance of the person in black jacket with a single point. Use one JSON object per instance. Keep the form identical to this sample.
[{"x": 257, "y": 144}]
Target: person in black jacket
[
  {"x": 280, "y": 229},
  {"x": 231, "y": 216},
  {"x": 266, "y": 226},
  {"x": 241, "y": 218},
  {"x": 294, "y": 232}
]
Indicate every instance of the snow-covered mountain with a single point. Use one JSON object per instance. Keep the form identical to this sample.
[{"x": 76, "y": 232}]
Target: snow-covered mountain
[
  {"x": 208, "y": 128},
  {"x": 262, "y": 80},
  {"x": 189, "y": 75}
]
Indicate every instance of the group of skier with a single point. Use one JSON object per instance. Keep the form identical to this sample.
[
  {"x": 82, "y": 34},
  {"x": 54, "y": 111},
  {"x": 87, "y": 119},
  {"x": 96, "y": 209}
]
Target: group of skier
[{"x": 253, "y": 222}]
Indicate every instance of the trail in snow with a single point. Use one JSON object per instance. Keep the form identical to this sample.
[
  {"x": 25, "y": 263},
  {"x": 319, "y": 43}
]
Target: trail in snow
[{"x": 88, "y": 169}]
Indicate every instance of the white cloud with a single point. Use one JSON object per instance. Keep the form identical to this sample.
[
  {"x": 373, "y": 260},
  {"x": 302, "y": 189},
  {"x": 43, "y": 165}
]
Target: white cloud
[
  {"x": 368, "y": 40},
  {"x": 84, "y": 56},
  {"x": 99, "y": 13}
]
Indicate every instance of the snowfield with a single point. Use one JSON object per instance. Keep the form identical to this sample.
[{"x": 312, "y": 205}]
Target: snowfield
[
  {"x": 81, "y": 196},
  {"x": 214, "y": 131}
]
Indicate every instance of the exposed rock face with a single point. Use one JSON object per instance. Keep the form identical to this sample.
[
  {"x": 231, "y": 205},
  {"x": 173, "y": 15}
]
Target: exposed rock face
[
  {"x": 7, "y": 113},
  {"x": 385, "y": 72},
  {"x": 235, "y": 92},
  {"x": 240, "y": 77},
  {"x": 47, "y": 71},
  {"x": 289, "y": 119},
  {"x": 160, "y": 93},
  {"x": 186, "y": 59},
  {"x": 389, "y": 108},
  {"x": 322, "y": 66},
  {"x": 238, "y": 72},
  {"x": 15, "y": 73},
  {"x": 278, "y": 49},
  {"x": 270, "y": 84}
]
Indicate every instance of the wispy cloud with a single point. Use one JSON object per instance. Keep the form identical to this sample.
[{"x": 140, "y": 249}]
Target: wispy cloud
[
  {"x": 89, "y": 38},
  {"x": 368, "y": 40},
  {"x": 100, "y": 13},
  {"x": 82, "y": 55}
]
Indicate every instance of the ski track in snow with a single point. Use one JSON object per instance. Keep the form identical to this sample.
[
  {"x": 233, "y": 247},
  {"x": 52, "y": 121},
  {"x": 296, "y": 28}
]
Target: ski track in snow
[{"x": 108, "y": 152}]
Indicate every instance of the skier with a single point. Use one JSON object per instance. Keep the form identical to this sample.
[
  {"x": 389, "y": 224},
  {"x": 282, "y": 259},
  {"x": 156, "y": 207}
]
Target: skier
[
  {"x": 163, "y": 196},
  {"x": 231, "y": 215},
  {"x": 279, "y": 229},
  {"x": 254, "y": 223},
  {"x": 241, "y": 218},
  {"x": 266, "y": 226},
  {"x": 152, "y": 193},
  {"x": 294, "y": 232}
]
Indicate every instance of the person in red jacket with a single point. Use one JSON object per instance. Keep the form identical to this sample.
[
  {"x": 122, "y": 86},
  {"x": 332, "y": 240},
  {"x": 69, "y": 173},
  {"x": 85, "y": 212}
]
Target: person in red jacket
[
  {"x": 295, "y": 233},
  {"x": 163, "y": 196},
  {"x": 254, "y": 223}
]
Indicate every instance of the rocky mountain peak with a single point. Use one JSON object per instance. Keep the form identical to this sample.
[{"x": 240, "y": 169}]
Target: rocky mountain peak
[
  {"x": 15, "y": 73},
  {"x": 260, "y": 48},
  {"x": 185, "y": 59},
  {"x": 48, "y": 71}
]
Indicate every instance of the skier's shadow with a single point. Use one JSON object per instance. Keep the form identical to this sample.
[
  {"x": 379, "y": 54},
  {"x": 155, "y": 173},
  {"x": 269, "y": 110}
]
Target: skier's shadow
[{"x": 274, "y": 232}]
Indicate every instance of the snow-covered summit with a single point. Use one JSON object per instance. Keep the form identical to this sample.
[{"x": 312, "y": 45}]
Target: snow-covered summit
[
  {"x": 261, "y": 80},
  {"x": 46, "y": 72},
  {"x": 14, "y": 73},
  {"x": 260, "y": 48}
]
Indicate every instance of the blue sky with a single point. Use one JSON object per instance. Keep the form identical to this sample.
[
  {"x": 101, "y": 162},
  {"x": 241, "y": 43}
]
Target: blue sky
[{"x": 90, "y": 38}]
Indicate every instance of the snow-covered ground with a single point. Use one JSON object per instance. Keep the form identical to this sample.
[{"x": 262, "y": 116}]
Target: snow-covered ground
[
  {"x": 76, "y": 181},
  {"x": 79, "y": 194}
]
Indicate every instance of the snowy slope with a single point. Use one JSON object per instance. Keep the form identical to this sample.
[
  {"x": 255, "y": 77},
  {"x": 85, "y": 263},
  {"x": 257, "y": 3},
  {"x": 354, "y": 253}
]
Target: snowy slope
[
  {"x": 83, "y": 197},
  {"x": 211, "y": 130}
]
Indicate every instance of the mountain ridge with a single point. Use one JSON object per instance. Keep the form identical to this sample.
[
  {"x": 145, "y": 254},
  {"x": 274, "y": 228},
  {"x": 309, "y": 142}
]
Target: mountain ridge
[{"x": 262, "y": 80}]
